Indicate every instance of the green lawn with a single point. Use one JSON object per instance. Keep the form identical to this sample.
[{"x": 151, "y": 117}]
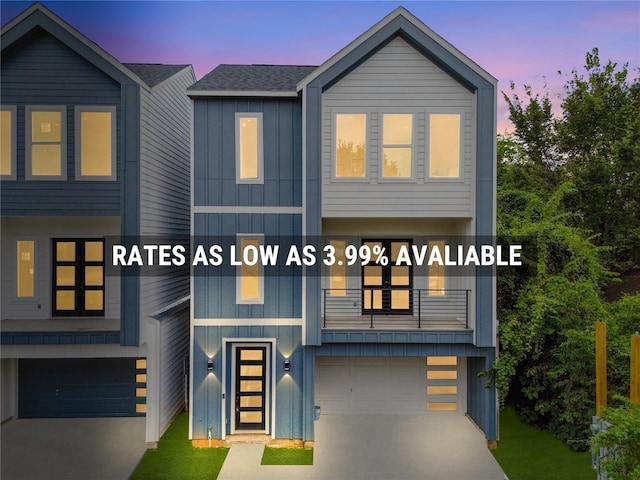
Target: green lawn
[
  {"x": 287, "y": 456},
  {"x": 526, "y": 453},
  {"x": 176, "y": 459}
]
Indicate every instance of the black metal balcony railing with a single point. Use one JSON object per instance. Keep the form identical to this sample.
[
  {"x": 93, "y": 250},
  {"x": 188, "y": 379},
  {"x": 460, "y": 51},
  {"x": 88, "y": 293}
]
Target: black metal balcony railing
[{"x": 395, "y": 308}]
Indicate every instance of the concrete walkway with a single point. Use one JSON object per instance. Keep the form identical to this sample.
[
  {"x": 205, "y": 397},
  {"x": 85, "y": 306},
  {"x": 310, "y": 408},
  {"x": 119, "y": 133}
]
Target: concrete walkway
[
  {"x": 379, "y": 447},
  {"x": 71, "y": 448}
]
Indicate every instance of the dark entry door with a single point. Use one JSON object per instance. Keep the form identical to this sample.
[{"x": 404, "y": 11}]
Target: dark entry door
[
  {"x": 387, "y": 288},
  {"x": 251, "y": 366}
]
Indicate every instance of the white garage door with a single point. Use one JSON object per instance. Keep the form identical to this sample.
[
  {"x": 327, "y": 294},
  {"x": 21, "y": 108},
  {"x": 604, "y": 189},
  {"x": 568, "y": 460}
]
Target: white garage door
[{"x": 381, "y": 385}]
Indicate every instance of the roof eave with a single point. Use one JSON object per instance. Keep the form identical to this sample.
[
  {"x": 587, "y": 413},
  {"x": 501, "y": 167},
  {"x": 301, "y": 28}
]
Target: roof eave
[{"x": 242, "y": 93}]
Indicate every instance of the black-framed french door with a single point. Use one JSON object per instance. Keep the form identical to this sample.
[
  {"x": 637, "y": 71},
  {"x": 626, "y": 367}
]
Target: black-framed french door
[
  {"x": 250, "y": 387},
  {"x": 78, "y": 277},
  {"x": 387, "y": 289}
]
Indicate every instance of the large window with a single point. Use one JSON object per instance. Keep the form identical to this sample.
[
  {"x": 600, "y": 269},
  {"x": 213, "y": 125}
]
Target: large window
[
  {"x": 397, "y": 149},
  {"x": 249, "y": 154},
  {"x": 95, "y": 143},
  {"x": 444, "y": 145},
  {"x": 8, "y": 142},
  {"x": 25, "y": 268},
  {"x": 78, "y": 277},
  {"x": 249, "y": 280},
  {"x": 46, "y": 134},
  {"x": 351, "y": 145}
]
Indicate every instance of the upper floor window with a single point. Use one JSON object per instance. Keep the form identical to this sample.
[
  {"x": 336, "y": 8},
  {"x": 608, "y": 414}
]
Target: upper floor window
[
  {"x": 249, "y": 154},
  {"x": 444, "y": 145},
  {"x": 95, "y": 143},
  {"x": 351, "y": 145},
  {"x": 46, "y": 135},
  {"x": 397, "y": 145},
  {"x": 8, "y": 142},
  {"x": 249, "y": 279}
]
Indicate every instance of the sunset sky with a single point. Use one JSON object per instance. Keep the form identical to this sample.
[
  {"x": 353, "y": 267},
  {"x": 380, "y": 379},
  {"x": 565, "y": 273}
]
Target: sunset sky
[{"x": 524, "y": 42}]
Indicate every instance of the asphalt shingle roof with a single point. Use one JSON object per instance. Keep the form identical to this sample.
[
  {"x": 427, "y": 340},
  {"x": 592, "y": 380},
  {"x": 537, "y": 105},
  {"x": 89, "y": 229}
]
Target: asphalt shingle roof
[
  {"x": 154, "y": 73},
  {"x": 263, "y": 78}
]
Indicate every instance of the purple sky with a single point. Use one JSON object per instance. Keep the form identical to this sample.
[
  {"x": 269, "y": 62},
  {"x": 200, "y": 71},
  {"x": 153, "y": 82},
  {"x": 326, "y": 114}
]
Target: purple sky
[{"x": 527, "y": 42}]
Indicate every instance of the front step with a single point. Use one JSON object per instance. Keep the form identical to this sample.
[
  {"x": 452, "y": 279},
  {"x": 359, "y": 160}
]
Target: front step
[{"x": 256, "y": 438}]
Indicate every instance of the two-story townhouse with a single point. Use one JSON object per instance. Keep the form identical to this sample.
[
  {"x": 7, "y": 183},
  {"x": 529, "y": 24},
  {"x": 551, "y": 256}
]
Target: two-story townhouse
[
  {"x": 93, "y": 151},
  {"x": 389, "y": 144}
]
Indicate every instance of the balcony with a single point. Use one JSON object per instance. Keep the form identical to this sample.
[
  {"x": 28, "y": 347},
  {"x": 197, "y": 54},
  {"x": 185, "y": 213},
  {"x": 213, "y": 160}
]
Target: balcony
[{"x": 395, "y": 309}]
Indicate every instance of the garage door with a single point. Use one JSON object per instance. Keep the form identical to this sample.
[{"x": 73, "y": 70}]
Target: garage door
[
  {"x": 77, "y": 388},
  {"x": 388, "y": 385}
]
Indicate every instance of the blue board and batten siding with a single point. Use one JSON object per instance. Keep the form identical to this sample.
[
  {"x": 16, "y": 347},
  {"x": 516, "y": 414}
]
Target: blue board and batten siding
[{"x": 43, "y": 71}]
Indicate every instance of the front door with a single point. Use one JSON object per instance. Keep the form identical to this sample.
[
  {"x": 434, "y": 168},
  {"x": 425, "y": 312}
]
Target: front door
[
  {"x": 250, "y": 387},
  {"x": 386, "y": 289}
]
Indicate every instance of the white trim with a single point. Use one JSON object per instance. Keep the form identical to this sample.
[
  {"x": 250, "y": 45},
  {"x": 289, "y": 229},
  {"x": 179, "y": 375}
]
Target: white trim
[
  {"x": 272, "y": 385},
  {"x": 13, "y": 111},
  {"x": 242, "y": 93},
  {"x": 79, "y": 110},
  {"x": 169, "y": 307},
  {"x": 400, "y": 11},
  {"x": 28, "y": 110},
  {"x": 244, "y": 209},
  {"x": 239, "y": 300},
  {"x": 260, "y": 141},
  {"x": 234, "y": 322}
]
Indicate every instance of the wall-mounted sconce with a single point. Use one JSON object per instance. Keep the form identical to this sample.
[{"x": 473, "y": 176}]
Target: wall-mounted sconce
[
  {"x": 210, "y": 365},
  {"x": 287, "y": 365}
]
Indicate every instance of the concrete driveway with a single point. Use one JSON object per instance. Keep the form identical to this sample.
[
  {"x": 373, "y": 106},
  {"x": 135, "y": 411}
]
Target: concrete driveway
[
  {"x": 380, "y": 447},
  {"x": 71, "y": 448}
]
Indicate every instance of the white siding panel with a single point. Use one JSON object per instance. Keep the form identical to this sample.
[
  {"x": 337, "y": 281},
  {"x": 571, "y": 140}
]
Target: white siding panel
[{"x": 395, "y": 79}]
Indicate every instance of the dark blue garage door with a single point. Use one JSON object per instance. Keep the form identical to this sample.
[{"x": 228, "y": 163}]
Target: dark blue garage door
[{"x": 93, "y": 387}]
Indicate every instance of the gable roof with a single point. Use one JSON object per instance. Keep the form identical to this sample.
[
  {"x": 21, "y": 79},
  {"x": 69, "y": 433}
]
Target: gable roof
[
  {"x": 247, "y": 80},
  {"x": 154, "y": 73},
  {"x": 400, "y": 19}
]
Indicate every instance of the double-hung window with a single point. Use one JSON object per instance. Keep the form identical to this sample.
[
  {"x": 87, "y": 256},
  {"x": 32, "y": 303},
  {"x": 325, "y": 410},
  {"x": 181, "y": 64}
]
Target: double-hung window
[
  {"x": 8, "y": 142},
  {"x": 397, "y": 145},
  {"x": 95, "y": 143},
  {"x": 46, "y": 138},
  {"x": 351, "y": 145},
  {"x": 249, "y": 149}
]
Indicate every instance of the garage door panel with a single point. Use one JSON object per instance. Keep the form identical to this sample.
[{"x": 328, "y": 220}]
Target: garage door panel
[{"x": 76, "y": 388}]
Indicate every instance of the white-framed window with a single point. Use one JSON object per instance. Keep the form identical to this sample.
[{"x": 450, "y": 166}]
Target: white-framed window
[
  {"x": 249, "y": 275},
  {"x": 25, "y": 268},
  {"x": 444, "y": 133},
  {"x": 46, "y": 142},
  {"x": 350, "y": 153},
  {"x": 249, "y": 148},
  {"x": 8, "y": 137},
  {"x": 397, "y": 145},
  {"x": 95, "y": 131},
  {"x": 436, "y": 272}
]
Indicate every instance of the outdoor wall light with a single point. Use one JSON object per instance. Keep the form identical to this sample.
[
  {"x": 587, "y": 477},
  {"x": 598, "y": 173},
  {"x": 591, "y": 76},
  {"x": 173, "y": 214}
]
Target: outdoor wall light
[
  {"x": 210, "y": 365},
  {"x": 287, "y": 365}
]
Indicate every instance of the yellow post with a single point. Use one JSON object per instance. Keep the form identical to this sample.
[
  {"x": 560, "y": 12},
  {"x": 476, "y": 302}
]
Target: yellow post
[
  {"x": 601, "y": 367},
  {"x": 635, "y": 368}
]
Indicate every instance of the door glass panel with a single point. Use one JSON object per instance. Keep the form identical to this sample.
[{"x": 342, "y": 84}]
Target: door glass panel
[
  {"x": 442, "y": 406},
  {"x": 442, "y": 390},
  {"x": 66, "y": 251},
  {"x": 93, "y": 300},
  {"x": 251, "y": 370},
  {"x": 65, "y": 276},
  {"x": 65, "y": 300},
  {"x": 442, "y": 360},
  {"x": 400, "y": 299},
  {"x": 93, "y": 276},
  {"x": 377, "y": 299},
  {"x": 93, "y": 251},
  {"x": 442, "y": 375},
  {"x": 250, "y": 354},
  {"x": 252, "y": 401},
  {"x": 250, "y": 385},
  {"x": 400, "y": 276},
  {"x": 372, "y": 275},
  {"x": 251, "y": 417}
]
